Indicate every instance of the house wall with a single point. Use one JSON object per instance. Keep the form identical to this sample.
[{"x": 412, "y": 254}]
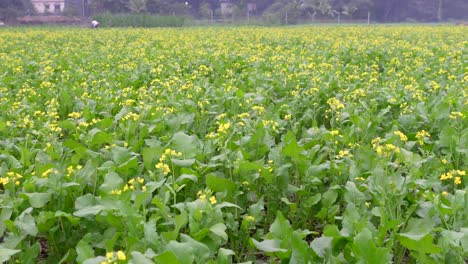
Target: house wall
[
  {"x": 40, "y": 6},
  {"x": 226, "y": 8}
]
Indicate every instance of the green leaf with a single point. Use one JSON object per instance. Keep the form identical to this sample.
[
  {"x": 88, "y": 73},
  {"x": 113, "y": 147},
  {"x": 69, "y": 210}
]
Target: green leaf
[
  {"x": 90, "y": 210},
  {"x": 220, "y": 185},
  {"x": 138, "y": 258},
  {"x": 329, "y": 198},
  {"x": 201, "y": 251},
  {"x": 112, "y": 181},
  {"x": 184, "y": 252},
  {"x": 99, "y": 138},
  {"x": 188, "y": 145},
  {"x": 84, "y": 251},
  {"x": 281, "y": 227},
  {"x": 366, "y": 251},
  {"x": 5, "y": 254},
  {"x": 25, "y": 222},
  {"x": 219, "y": 229},
  {"x": 38, "y": 200},
  {"x": 150, "y": 156},
  {"x": 167, "y": 257},
  {"x": 188, "y": 177},
  {"x": 183, "y": 163},
  {"x": 292, "y": 149},
  {"x": 321, "y": 245},
  {"x": 418, "y": 242},
  {"x": 224, "y": 256},
  {"x": 268, "y": 245}
]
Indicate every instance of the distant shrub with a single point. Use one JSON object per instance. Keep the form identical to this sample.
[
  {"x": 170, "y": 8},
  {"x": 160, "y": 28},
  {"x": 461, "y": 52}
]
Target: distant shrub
[{"x": 138, "y": 20}]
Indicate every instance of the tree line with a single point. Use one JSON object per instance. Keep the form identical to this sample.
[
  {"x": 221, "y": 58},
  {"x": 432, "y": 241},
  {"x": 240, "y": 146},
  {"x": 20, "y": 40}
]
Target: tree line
[{"x": 273, "y": 10}]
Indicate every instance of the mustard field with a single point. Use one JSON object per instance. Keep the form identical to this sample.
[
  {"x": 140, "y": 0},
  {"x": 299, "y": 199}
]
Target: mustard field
[{"x": 306, "y": 144}]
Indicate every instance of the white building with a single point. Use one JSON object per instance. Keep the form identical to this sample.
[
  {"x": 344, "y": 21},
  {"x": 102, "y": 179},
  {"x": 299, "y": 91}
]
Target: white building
[
  {"x": 227, "y": 7},
  {"x": 49, "y": 6}
]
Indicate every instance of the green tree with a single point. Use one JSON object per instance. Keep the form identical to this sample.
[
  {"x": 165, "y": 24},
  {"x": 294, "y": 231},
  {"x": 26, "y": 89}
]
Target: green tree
[
  {"x": 137, "y": 6},
  {"x": 11, "y": 9}
]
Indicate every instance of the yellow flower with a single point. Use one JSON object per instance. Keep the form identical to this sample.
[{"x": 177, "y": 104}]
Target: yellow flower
[
  {"x": 402, "y": 136},
  {"x": 74, "y": 115},
  {"x": 420, "y": 135},
  {"x": 250, "y": 218},
  {"x": 455, "y": 115},
  {"x": 202, "y": 197},
  {"x": 121, "y": 255},
  {"x": 109, "y": 255},
  {"x": 223, "y": 127},
  {"x": 213, "y": 200},
  {"x": 444, "y": 193},
  {"x": 164, "y": 167},
  {"x": 457, "y": 180}
]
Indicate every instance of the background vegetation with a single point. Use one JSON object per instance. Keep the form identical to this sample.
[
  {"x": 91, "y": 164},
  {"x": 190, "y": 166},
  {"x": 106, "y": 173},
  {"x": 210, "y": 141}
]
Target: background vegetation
[{"x": 270, "y": 11}]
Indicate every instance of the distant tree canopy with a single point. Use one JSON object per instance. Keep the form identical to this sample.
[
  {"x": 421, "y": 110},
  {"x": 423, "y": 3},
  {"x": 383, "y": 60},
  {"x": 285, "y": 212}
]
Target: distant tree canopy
[
  {"x": 379, "y": 10},
  {"x": 10, "y": 9}
]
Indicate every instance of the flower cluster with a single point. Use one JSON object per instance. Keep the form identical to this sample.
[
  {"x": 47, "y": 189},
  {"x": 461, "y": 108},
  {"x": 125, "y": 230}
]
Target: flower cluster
[
  {"x": 162, "y": 164},
  {"x": 114, "y": 257},
  {"x": 11, "y": 177},
  {"x": 453, "y": 174}
]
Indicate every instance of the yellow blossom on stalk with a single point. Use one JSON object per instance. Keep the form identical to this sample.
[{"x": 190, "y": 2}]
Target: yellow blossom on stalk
[
  {"x": 129, "y": 102},
  {"x": 74, "y": 115},
  {"x": 259, "y": 109},
  {"x": 250, "y": 218},
  {"x": 46, "y": 173},
  {"x": 221, "y": 116},
  {"x": 213, "y": 200},
  {"x": 455, "y": 115},
  {"x": 243, "y": 115},
  {"x": 420, "y": 135},
  {"x": 444, "y": 193},
  {"x": 211, "y": 135},
  {"x": 288, "y": 117},
  {"x": 402, "y": 136},
  {"x": 121, "y": 255},
  {"x": 164, "y": 167},
  {"x": 202, "y": 196},
  {"x": 344, "y": 153},
  {"x": 453, "y": 174},
  {"x": 335, "y": 103},
  {"x": 444, "y": 161},
  {"x": 223, "y": 127},
  {"x": 171, "y": 152},
  {"x": 109, "y": 255}
]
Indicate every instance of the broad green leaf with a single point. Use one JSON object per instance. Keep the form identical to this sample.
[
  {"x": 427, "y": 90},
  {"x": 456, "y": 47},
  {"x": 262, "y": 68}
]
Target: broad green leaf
[
  {"x": 5, "y": 253},
  {"x": 89, "y": 211},
  {"x": 220, "y": 185},
  {"x": 38, "y": 200},
  {"x": 167, "y": 257},
  {"x": 366, "y": 251},
  {"x": 188, "y": 145},
  {"x": 184, "y": 252},
  {"x": 219, "y": 229},
  {"x": 138, "y": 258},
  {"x": 268, "y": 245},
  {"x": 183, "y": 163},
  {"x": 26, "y": 223},
  {"x": 329, "y": 198}
]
